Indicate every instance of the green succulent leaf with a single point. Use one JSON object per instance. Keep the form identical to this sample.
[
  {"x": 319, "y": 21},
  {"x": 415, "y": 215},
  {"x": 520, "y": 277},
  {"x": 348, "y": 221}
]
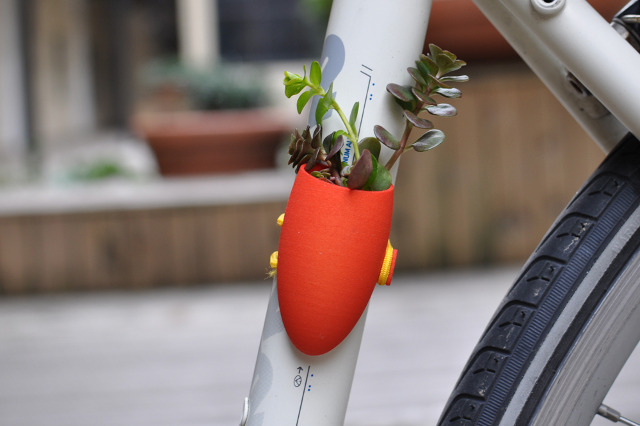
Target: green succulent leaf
[
  {"x": 429, "y": 64},
  {"x": 289, "y": 76},
  {"x": 424, "y": 69},
  {"x": 445, "y": 61},
  {"x": 372, "y": 175},
  {"x": 455, "y": 78},
  {"x": 313, "y": 160},
  {"x": 429, "y": 140},
  {"x": 434, "y": 50},
  {"x": 316, "y": 139},
  {"x": 361, "y": 171},
  {"x": 323, "y": 176},
  {"x": 417, "y": 76},
  {"x": 454, "y": 65},
  {"x": 329, "y": 141},
  {"x": 450, "y": 92},
  {"x": 328, "y": 96},
  {"x": 293, "y": 88},
  {"x": 403, "y": 96},
  {"x": 442, "y": 110},
  {"x": 354, "y": 114},
  {"x": 293, "y": 83},
  {"x": 372, "y": 144},
  {"x": 460, "y": 63},
  {"x": 304, "y": 161},
  {"x": 423, "y": 97},
  {"x": 435, "y": 83},
  {"x": 338, "y": 143},
  {"x": 418, "y": 122},
  {"x": 321, "y": 111},
  {"x": 402, "y": 93},
  {"x": 315, "y": 76},
  {"x": 386, "y": 137},
  {"x": 381, "y": 178},
  {"x": 303, "y": 100},
  {"x": 324, "y": 104},
  {"x": 452, "y": 57}
]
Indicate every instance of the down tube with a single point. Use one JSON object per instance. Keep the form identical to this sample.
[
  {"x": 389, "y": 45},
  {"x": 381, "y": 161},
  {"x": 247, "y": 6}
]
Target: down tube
[{"x": 369, "y": 44}]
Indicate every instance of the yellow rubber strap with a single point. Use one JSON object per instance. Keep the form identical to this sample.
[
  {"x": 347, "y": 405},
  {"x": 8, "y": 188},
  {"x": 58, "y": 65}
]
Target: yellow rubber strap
[
  {"x": 273, "y": 259},
  {"x": 386, "y": 265}
]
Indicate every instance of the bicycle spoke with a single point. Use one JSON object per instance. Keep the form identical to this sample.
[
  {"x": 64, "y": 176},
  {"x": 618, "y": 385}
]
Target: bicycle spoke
[{"x": 615, "y": 416}]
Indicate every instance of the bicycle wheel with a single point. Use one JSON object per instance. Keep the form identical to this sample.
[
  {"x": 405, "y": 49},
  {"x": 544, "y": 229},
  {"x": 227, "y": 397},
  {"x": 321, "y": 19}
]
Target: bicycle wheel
[{"x": 566, "y": 327}]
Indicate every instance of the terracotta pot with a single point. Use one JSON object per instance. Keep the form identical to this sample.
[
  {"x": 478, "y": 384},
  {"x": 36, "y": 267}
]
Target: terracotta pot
[
  {"x": 332, "y": 246},
  {"x": 205, "y": 142},
  {"x": 459, "y": 26}
]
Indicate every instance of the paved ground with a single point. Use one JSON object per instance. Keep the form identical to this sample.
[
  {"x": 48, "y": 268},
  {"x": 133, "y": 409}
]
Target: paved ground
[{"x": 186, "y": 356}]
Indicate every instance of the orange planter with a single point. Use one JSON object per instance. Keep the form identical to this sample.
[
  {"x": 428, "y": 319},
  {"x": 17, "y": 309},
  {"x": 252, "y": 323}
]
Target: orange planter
[{"x": 331, "y": 250}]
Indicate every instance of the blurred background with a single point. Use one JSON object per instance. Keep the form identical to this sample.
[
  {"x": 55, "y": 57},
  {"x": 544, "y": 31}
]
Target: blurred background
[
  {"x": 141, "y": 143},
  {"x": 142, "y": 146}
]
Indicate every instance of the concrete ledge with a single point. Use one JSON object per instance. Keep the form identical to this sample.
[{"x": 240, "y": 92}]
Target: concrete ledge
[{"x": 245, "y": 188}]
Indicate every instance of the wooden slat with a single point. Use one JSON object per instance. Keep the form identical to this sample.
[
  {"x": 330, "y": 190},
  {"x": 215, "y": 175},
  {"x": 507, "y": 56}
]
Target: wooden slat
[
  {"x": 155, "y": 263},
  {"x": 184, "y": 236},
  {"x": 54, "y": 254},
  {"x": 13, "y": 253}
]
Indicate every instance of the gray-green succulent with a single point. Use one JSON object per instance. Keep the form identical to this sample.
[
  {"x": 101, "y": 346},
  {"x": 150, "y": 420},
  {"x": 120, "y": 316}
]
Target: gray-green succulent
[{"x": 431, "y": 79}]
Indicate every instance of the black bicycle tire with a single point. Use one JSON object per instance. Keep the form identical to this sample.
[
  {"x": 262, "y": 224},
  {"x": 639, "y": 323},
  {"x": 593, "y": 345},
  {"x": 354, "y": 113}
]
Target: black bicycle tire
[{"x": 598, "y": 228}]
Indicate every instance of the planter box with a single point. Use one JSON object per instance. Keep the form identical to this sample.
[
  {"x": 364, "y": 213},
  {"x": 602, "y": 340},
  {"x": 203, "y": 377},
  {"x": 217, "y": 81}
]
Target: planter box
[
  {"x": 139, "y": 235},
  {"x": 206, "y": 142}
]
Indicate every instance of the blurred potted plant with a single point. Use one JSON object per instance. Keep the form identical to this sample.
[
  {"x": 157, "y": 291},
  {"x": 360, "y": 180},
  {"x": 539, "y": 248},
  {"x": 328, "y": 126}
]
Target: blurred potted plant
[{"x": 202, "y": 122}]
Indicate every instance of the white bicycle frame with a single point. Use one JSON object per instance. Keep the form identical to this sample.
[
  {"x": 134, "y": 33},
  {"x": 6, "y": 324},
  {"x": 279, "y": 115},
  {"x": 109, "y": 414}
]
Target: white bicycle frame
[{"x": 554, "y": 37}]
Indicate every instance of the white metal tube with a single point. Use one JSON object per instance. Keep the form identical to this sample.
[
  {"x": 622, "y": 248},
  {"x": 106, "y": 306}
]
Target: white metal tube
[
  {"x": 291, "y": 388},
  {"x": 606, "y": 130},
  {"x": 369, "y": 44},
  {"x": 592, "y": 50}
]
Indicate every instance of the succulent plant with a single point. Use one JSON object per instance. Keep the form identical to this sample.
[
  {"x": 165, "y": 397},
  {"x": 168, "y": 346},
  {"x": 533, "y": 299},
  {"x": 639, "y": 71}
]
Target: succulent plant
[
  {"x": 306, "y": 148},
  {"x": 431, "y": 79}
]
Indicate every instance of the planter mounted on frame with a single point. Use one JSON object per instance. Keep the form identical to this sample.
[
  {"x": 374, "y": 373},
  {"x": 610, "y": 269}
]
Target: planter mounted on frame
[
  {"x": 334, "y": 244},
  {"x": 329, "y": 259}
]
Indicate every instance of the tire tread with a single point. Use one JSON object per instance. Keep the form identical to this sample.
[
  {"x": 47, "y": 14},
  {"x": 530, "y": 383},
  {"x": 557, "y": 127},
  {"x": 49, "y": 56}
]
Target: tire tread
[{"x": 564, "y": 254}]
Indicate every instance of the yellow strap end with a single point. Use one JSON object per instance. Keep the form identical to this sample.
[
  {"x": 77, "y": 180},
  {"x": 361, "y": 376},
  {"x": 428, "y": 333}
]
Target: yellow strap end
[
  {"x": 273, "y": 260},
  {"x": 388, "y": 265}
]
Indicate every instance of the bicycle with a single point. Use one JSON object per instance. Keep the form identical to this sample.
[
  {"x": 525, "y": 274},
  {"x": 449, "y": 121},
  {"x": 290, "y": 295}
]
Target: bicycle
[{"x": 570, "y": 321}]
